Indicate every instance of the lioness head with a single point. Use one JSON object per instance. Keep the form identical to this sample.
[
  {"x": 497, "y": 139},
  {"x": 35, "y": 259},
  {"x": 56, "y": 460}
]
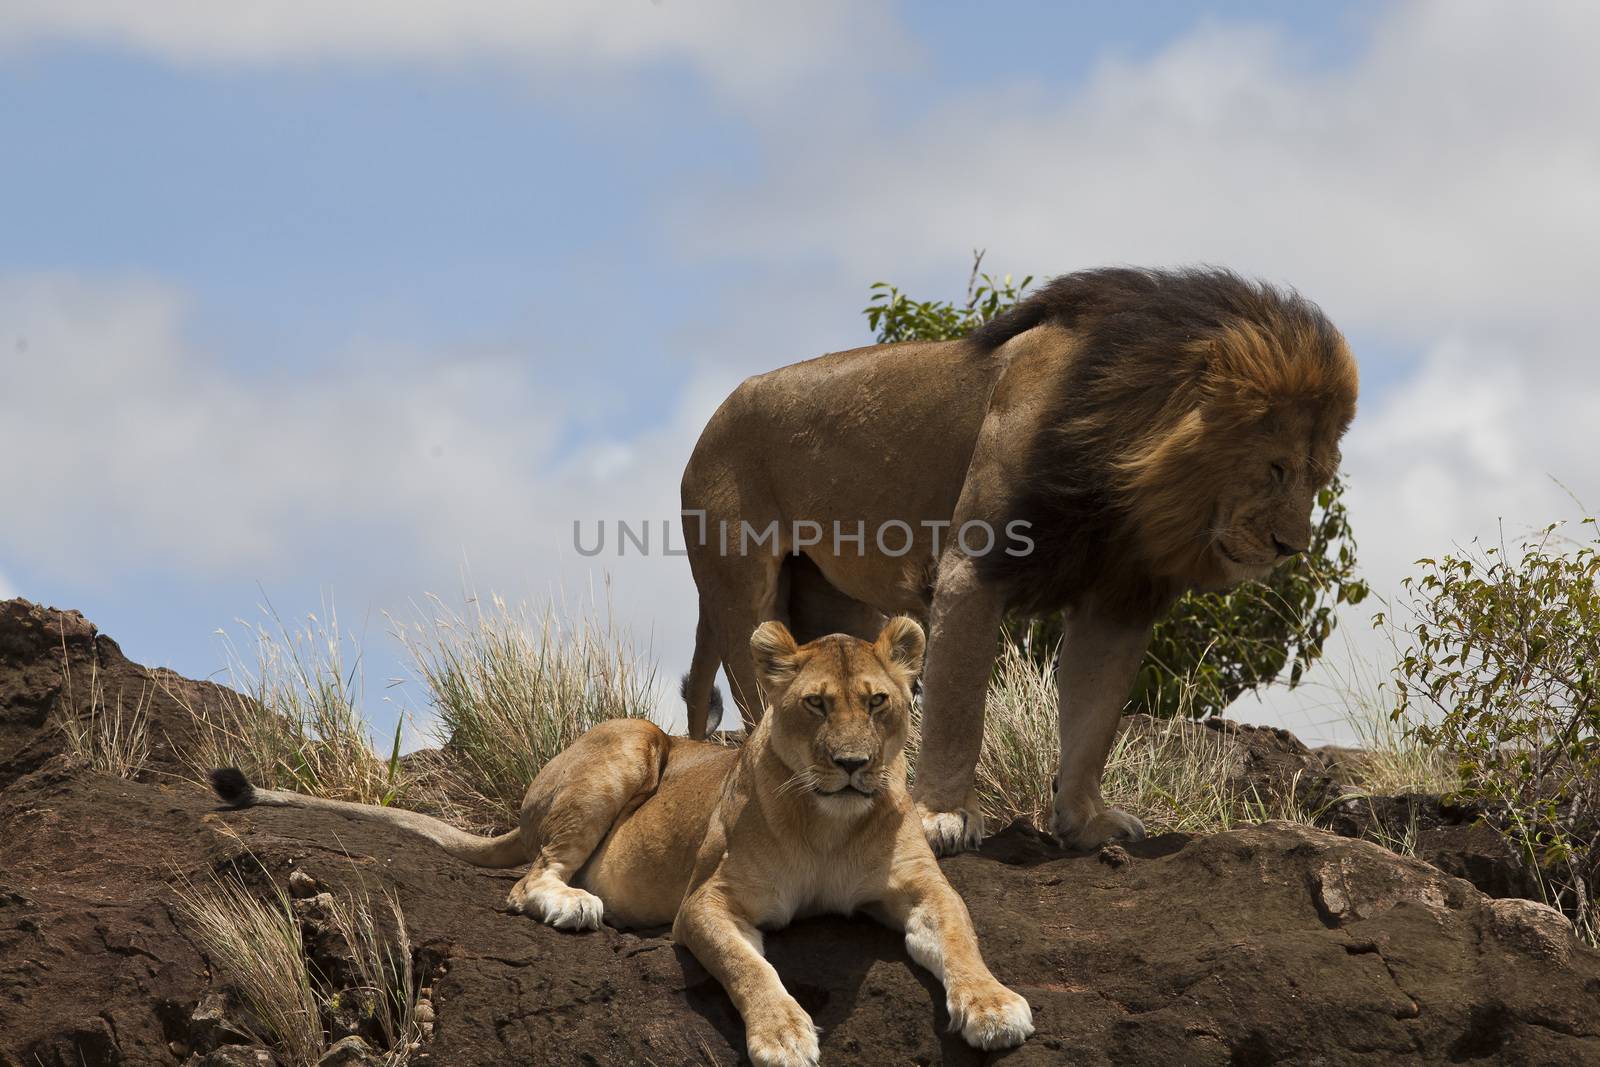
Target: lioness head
[{"x": 839, "y": 708}]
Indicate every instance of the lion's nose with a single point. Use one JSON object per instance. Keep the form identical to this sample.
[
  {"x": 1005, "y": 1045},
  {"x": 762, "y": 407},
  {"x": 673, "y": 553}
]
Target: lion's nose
[
  {"x": 1283, "y": 549},
  {"x": 850, "y": 764}
]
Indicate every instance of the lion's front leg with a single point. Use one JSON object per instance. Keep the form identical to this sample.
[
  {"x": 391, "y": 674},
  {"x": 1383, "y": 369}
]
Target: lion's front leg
[
  {"x": 1094, "y": 675},
  {"x": 940, "y": 937},
  {"x": 962, "y": 642},
  {"x": 778, "y": 1032}
]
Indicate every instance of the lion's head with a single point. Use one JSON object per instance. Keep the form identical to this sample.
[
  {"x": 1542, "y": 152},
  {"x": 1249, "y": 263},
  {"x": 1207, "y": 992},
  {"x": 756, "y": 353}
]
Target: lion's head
[
  {"x": 1198, "y": 416},
  {"x": 838, "y": 709}
]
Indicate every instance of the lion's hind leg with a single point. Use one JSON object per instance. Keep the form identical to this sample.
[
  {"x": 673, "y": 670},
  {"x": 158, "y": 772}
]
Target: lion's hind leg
[{"x": 572, "y": 805}]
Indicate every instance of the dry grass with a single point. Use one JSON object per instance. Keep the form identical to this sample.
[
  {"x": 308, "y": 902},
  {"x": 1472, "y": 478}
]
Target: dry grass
[
  {"x": 1020, "y": 742},
  {"x": 1179, "y": 778},
  {"x": 113, "y": 738},
  {"x": 1393, "y": 761},
  {"x": 510, "y": 688},
  {"x": 1172, "y": 774},
  {"x": 382, "y": 962},
  {"x": 256, "y": 945},
  {"x": 294, "y": 720}
]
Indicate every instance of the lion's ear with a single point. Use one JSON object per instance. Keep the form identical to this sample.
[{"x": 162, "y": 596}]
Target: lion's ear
[
  {"x": 774, "y": 650},
  {"x": 901, "y": 643}
]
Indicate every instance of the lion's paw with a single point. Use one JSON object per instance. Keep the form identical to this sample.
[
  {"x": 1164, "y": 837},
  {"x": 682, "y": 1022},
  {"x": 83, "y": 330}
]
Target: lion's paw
[
  {"x": 784, "y": 1037},
  {"x": 1106, "y": 825},
  {"x": 562, "y": 906},
  {"x": 991, "y": 1018},
  {"x": 949, "y": 832}
]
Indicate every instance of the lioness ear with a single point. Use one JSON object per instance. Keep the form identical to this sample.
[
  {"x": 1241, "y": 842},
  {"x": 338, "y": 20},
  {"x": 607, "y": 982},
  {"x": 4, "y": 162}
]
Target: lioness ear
[
  {"x": 774, "y": 649},
  {"x": 901, "y": 643}
]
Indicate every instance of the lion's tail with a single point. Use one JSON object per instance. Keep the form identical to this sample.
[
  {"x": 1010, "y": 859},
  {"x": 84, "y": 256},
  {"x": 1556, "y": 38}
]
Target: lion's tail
[
  {"x": 507, "y": 850},
  {"x": 699, "y": 689}
]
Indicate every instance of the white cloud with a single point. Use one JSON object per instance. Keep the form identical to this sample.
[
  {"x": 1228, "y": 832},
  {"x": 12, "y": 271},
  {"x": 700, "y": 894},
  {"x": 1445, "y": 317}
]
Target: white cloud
[
  {"x": 743, "y": 48},
  {"x": 392, "y": 474},
  {"x": 138, "y": 450},
  {"x": 1444, "y": 176},
  {"x": 161, "y": 453}
]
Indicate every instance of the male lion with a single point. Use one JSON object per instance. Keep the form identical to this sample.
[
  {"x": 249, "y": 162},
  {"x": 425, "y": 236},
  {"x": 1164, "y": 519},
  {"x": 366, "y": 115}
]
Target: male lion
[
  {"x": 1114, "y": 440},
  {"x": 810, "y": 815}
]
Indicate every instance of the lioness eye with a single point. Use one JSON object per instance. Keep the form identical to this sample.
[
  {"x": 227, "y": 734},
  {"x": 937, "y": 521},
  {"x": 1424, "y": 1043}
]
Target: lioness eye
[
  {"x": 1278, "y": 472},
  {"x": 877, "y": 700},
  {"x": 814, "y": 702}
]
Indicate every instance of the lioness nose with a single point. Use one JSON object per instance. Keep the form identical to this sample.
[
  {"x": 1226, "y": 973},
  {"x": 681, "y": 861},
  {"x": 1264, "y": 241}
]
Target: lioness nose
[
  {"x": 1283, "y": 549},
  {"x": 850, "y": 764}
]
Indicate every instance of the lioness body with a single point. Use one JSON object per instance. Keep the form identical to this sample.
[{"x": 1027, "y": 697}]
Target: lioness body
[
  {"x": 669, "y": 789},
  {"x": 1153, "y": 431},
  {"x": 810, "y": 815}
]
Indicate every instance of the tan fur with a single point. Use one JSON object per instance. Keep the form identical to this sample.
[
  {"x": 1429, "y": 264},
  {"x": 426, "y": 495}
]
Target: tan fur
[
  {"x": 647, "y": 829},
  {"x": 1195, "y": 455}
]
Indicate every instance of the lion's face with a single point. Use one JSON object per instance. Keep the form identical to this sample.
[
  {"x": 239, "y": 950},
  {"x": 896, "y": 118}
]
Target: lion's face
[
  {"x": 1227, "y": 493},
  {"x": 840, "y": 708},
  {"x": 1263, "y": 510}
]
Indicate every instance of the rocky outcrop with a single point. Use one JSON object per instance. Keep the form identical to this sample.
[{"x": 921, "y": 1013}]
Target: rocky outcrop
[{"x": 1272, "y": 943}]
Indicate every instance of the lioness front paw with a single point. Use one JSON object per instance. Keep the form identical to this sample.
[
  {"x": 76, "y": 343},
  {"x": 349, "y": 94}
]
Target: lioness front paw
[
  {"x": 562, "y": 906},
  {"x": 949, "y": 832},
  {"x": 990, "y": 1018},
  {"x": 782, "y": 1037},
  {"x": 1107, "y": 824}
]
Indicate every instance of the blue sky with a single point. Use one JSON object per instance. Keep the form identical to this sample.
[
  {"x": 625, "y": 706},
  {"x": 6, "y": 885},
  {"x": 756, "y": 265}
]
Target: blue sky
[{"x": 374, "y": 302}]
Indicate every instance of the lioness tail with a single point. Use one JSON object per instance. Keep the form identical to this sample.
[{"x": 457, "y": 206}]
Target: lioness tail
[
  {"x": 507, "y": 850},
  {"x": 233, "y": 787}
]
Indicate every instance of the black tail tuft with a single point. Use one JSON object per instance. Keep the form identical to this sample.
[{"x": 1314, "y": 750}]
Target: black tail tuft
[
  {"x": 714, "y": 709},
  {"x": 233, "y": 787}
]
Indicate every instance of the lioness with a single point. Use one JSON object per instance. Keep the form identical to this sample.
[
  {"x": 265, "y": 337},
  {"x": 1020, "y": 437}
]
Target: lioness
[
  {"x": 810, "y": 815},
  {"x": 1117, "y": 438}
]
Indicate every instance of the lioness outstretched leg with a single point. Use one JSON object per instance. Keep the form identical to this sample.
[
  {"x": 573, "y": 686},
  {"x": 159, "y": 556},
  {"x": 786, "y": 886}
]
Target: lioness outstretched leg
[
  {"x": 570, "y": 807},
  {"x": 940, "y": 937},
  {"x": 778, "y": 1032}
]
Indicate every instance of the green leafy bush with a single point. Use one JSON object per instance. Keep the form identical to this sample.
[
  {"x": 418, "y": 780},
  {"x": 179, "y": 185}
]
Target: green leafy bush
[
  {"x": 1502, "y": 670},
  {"x": 1212, "y": 647},
  {"x": 896, "y": 317}
]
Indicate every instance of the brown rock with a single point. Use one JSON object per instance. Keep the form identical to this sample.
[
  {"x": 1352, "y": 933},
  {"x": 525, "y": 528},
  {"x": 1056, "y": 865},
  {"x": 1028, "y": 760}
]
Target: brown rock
[
  {"x": 235, "y": 1056},
  {"x": 209, "y": 1025},
  {"x": 1265, "y": 944},
  {"x": 1114, "y": 855},
  {"x": 1536, "y": 928},
  {"x": 348, "y": 1052}
]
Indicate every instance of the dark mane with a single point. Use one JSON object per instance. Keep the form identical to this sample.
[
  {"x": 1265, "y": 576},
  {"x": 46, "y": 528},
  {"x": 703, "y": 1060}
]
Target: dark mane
[
  {"x": 1153, "y": 345},
  {"x": 1130, "y": 306}
]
